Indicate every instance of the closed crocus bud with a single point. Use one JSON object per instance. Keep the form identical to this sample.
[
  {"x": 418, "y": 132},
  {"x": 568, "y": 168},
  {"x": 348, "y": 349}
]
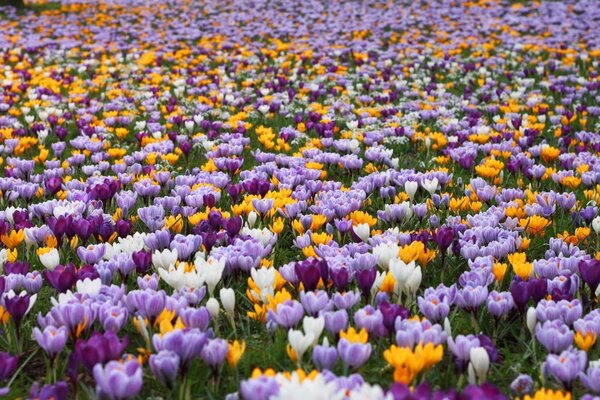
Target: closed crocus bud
[
  {"x": 596, "y": 224},
  {"x": 227, "y": 296},
  {"x": 531, "y": 320},
  {"x": 252, "y": 216},
  {"x": 447, "y": 327},
  {"x": 212, "y": 305},
  {"x": 410, "y": 187},
  {"x": 362, "y": 231},
  {"x": 479, "y": 364}
]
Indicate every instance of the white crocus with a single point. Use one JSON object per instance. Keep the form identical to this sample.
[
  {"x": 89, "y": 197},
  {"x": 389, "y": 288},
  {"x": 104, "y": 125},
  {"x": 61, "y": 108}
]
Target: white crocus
[
  {"x": 212, "y": 271},
  {"x": 410, "y": 187},
  {"x": 252, "y": 217},
  {"x": 430, "y": 185},
  {"x": 212, "y": 305},
  {"x": 531, "y": 320},
  {"x": 50, "y": 259},
  {"x": 90, "y": 287},
  {"x": 363, "y": 231},
  {"x": 408, "y": 276},
  {"x": 479, "y": 365},
  {"x": 596, "y": 224},
  {"x": 227, "y": 296},
  {"x": 264, "y": 278},
  {"x": 300, "y": 342},
  {"x": 163, "y": 259},
  {"x": 385, "y": 252},
  {"x": 177, "y": 277},
  {"x": 314, "y": 326}
]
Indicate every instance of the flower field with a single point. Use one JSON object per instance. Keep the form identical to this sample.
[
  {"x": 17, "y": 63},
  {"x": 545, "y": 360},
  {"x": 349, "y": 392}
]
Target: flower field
[{"x": 277, "y": 199}]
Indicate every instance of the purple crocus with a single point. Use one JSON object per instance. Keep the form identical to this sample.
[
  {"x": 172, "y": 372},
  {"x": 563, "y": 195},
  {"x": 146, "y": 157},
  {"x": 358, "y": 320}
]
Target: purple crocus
[
  {"x": 214, "y": 352},
  {"x": 354, "y": 355},
  {"x": 8, "y": 365},
  {"x": 554, "y": 335},
  {"x": 118, "y": 380},
  {"x": 51, "y": 339},
  {"x": 165, "y": 366},
  {"x": 590, "y": 273},
  {"x": 324, "y": 357},
  {"x": 186, "y": 343},
  {"x": 591, "y": 379},
  {"x": 566, "y": 366}
]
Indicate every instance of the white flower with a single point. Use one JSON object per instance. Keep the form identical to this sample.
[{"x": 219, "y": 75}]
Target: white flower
[
  {"x": 252, "y": 216},
  {"x": 227, "y": 296},
  {"x": 531, "y": 320},
  {"x": 211, "y": 269},
  {"x": 263, "y": 236},
  {"x": 410, "y": 187},
  {"x": 3, "y": 259},
  {"x": 430, "y": 185},
  {"x": 163, "y": 259},
  {"x": 264, "y": 108},
  {"x": 314, "y": 326},
  {"x": 352, "y": 125},
  {"x": 178, "y": 278},
  {"x": 264, "y": 278},
  {"x": 408, "y": 276},
  {"x": 213, "y": 307},
  {"x": 362, "y": 231},
  {"x": 385, "y": 252},
  {"x": 294, "y": 388},
  {"x": 479, "y": 364},
  {"x": 88, "y": 286},
  {"x": 50, "y": 259},
  {"x": 300, "y": 342},
  {"x": 596, "y": 224}
]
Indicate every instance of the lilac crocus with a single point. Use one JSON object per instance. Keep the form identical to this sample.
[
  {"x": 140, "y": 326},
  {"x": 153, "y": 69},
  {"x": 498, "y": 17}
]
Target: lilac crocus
[
  {"x": 165, "y": 366},
  {"x": 324, "y": 356},
  {"x": 51, "y": 339},
  {"x": 566, "y": 366},
  {"x": 186, "y": 343},
  {"x": 554, "y": 335},
  {"x": 214, "y": 352},
  {"x": 354, "y": 355},
  {"x": 118, "y": 381},
  {"x": 499, "y": 303},
  {"x": 591, "y": 379}
]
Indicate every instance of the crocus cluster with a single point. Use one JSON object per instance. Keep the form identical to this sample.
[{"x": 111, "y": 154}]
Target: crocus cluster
[{"x": 278, "y": 199}]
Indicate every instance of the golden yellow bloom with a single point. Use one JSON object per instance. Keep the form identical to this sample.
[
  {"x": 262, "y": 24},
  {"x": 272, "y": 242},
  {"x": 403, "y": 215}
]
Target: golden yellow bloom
[
  {"x": 534, "y": 225},
  {"x": 584, "y": 341},
  {"x": 352, "y": 336},
  {"x": 549, "y": 153},
  {"x": 416, "y": 251},
  {"x": 174, "y": 223},
  {"x": 549, "y": 394},
  {"x": 361, "y": 217},
  {"x": 499, "y": 270},
  {"x": 4, "y": 316},
  {"x": 277, "y": 225},
  {"x": 13, "y": 239},
  {"x": 235, "y": 351}
]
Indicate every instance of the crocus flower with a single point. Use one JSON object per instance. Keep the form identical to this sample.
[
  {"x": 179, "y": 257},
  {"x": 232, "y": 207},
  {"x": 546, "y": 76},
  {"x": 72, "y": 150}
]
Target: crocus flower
[
  {"x": 165, "y": 366},
  {"x": 51, "y": 339},
  {"x": 566, "y": 366},
  {"x": 118, "y": 381}
]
